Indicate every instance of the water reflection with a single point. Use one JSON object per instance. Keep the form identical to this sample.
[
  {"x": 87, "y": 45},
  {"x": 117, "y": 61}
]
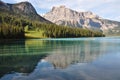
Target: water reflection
[
  {"x": 65, "y": 52},
  {"x": 14, "y": 57},
  {"x": 12, "y": 47},
  {"x": 100, "y": 69},
  {"x": 66, "y": 59},
  {"x": 76, "y": 52},
  {"x": 18, "y": 63}
]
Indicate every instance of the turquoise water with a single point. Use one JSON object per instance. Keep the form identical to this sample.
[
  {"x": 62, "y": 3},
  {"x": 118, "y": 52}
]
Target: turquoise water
[{"x": 60, "y": 59}]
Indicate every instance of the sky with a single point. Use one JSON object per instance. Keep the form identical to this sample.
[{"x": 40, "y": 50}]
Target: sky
[{"x": 108, "y": 9}]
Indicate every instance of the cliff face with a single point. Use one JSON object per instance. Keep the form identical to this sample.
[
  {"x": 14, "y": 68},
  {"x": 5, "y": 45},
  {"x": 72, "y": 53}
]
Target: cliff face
[
  {"x": 24, "y": 7},
  {"x": 65, "y": 16}
]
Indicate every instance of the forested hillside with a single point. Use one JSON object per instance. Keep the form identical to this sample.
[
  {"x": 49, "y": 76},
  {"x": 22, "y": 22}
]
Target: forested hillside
[
  {"x": 55, "y": 31},
  {"x": 11, "y": 27},
  {"x": 15, "y": 25}
]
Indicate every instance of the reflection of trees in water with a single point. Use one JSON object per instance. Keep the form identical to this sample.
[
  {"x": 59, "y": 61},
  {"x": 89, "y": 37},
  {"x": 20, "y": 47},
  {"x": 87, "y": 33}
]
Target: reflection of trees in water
[
  {"x": 12, "y": 47},
  {"x": 76, "y": 52},
  {"x": 19, "y": 63},
  {"x": 34, "y": 46},
  {"x": 14, "y": 57},
  {"x": 22, "y": 56},
  {"x": 47, "y": 46},
  {"x": 64, "y": 53}
]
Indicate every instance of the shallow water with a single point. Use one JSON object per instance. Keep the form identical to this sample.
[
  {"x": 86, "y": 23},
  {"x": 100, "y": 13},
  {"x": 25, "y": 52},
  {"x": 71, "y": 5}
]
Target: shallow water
[{"x": 61, "y": 59}]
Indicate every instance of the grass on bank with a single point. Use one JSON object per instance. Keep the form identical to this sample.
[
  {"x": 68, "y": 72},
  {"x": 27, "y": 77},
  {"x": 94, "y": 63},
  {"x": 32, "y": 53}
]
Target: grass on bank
[{"x": 34, "y": 34}]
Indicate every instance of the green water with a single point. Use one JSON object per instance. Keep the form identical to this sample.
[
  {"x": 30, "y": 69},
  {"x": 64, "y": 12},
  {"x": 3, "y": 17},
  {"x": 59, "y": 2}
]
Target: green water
[{"x": 76, "y": 58}]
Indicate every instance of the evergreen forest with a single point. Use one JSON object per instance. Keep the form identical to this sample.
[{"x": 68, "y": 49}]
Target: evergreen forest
[{"x": 18, "y": 27}]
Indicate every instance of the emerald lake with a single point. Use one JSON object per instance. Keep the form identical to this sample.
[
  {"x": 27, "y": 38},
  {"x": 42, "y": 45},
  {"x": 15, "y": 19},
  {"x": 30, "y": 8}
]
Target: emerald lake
[{"x": 60, "y": 59}]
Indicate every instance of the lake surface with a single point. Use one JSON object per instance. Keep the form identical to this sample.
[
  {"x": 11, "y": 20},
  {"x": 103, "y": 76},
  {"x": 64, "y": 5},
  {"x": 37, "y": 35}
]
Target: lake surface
[{"x": 60, "y": 59}]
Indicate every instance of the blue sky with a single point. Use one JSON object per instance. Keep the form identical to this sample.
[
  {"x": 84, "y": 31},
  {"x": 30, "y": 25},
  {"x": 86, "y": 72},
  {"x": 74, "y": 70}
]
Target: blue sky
[{"x": 109, "y": 9}]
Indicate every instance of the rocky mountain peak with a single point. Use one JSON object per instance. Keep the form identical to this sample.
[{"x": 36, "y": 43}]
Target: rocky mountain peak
[
  {"x": 59, "y": 7},
  {"x": 3, "y": 5},
  {"x": 63, "y": 10},
  {"x": 62, "y": 6},
  {"x": 25, "y": 7},
  {"x": 64, "y": 16}
]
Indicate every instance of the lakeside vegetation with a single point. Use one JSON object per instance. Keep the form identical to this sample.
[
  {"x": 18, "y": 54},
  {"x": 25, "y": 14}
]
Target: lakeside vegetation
[
  {"x": 10, "y": 27},
  {"x": 55, "y": 31},
  {"x": 14, "y": 27}
]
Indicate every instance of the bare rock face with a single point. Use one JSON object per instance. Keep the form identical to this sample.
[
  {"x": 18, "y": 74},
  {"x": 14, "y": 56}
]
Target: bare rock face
[
  {"x": 65, "y": 16},
  {"x": 26, "y": 9},
  {"x": 23, "y": 9}
]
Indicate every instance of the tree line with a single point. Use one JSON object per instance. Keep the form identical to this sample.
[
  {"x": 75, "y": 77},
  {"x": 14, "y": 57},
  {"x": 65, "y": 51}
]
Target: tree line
[
  {"x": 14, "y": 27},
  {"x": 55, "y": 31}
]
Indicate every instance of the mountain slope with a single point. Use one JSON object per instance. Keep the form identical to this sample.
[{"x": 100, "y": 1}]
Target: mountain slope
[
  {"x": 23, "y": 9},
  {"x": 65, "y": 16},
  {"x": 22, "y": 21}
]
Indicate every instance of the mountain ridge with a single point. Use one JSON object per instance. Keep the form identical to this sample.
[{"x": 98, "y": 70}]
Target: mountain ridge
[
  {"x": 22, "y": 21},
  {"x": 64, "y": 16},
  {"x": 23, "y": 9}
]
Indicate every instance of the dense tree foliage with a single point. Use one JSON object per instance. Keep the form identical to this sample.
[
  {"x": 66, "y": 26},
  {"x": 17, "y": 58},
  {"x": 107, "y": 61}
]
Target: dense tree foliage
[
  {"x": 10, "y": 27},
  {"x": 63, "y": 32},
  {"x": 13, "y": 26},
  {"x": 55, "y": 31}
]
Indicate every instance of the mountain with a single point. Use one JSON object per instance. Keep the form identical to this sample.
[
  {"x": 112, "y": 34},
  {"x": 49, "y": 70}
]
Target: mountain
[
  {"x": 68, "y": 17},
  {"x": 22, "y": 21},
  {"x": 22, "y": 9}
]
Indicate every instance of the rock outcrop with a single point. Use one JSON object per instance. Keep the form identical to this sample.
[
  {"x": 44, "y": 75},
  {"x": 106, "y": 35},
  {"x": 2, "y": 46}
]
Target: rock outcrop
[{"x": 68, "y": 17}]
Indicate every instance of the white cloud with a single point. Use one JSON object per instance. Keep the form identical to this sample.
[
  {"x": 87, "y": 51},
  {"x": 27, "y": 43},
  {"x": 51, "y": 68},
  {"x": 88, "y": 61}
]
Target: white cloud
[{"x": 104, "y": 8}]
